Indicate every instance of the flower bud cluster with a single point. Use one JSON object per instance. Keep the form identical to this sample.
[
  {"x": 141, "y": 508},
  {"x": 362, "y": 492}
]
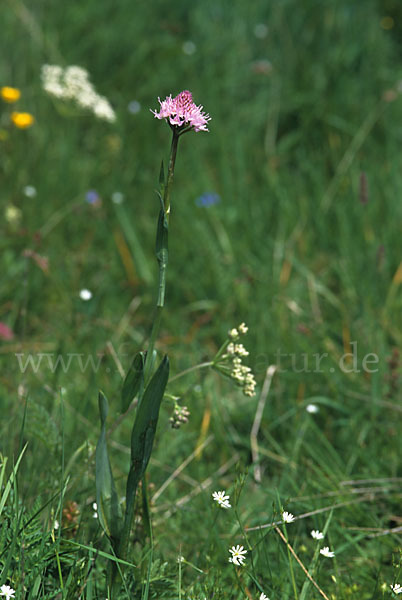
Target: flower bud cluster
[
  {"x": 231, "y": 361},
  {"x": 179, "y": 417},
  {"x": 72, "y": 83}
]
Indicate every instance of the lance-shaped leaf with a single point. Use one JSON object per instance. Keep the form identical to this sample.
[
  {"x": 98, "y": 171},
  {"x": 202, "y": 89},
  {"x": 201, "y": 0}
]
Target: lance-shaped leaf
[
  {"x": 142, "y": 439},
  {"x": 134, "y": 382},
  {"x": 146, "y": 419},
  {"x": 106, "y": 496}
]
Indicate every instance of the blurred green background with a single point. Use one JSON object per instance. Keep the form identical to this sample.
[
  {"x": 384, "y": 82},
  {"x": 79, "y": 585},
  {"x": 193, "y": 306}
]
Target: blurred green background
[{"x": 303, "y": 242}]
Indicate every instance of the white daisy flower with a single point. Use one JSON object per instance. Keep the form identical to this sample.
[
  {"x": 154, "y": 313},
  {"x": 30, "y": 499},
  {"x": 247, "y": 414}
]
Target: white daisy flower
[
  {"x": 396, "y": 588},
  {"x": 317, "y": 535},
  {"x": 221, "y": 499},
  {"x": 327, "y": 552},
  {"x": 237, "y": 557},
  {"x": 287, "y": 517},
  {"x": 7, "y": 592}
]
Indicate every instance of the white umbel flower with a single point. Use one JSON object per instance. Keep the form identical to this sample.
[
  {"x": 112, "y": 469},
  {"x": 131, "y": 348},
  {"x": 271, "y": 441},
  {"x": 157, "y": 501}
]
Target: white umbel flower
[
  {"x": 243, "y": 328},
  {"x": 72, "y": 83}
]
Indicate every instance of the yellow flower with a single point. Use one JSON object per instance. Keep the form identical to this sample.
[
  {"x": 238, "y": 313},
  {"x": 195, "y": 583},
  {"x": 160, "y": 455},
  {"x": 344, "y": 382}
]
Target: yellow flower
[
  {"x": 22, "y": 120},
  {"x": 12, "y": 214},
  {"x": 10, "y": 94}
]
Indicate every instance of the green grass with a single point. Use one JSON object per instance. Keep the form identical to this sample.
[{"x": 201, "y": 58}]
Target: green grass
[{"x": 290, "y": 249}]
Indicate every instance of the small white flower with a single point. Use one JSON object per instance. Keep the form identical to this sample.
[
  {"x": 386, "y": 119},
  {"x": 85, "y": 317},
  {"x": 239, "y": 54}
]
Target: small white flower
[
  {"x": 95, "y": 507},
  {"x": 117, "y": 198},
  {"x": 312, "y": 409},
  {"x": 264, "y": 597},
  {"x": 261, "y": 31},
  {"x": 231, "y": 348},
  {"x": 240, "y": 350},
  {"x": 56, "y": 525},
  {"x": 327, "y": 552},
  {"x": 233, "y": 334},
  {"x": 189, "y": 47},
  {"x": 221, "y": 499},
  {"x": 180, "y": 559},
  {"x": 243, "y": 328},
  {"x": 287, "y": 517},
  {"x": 85, "y": 294},
  {"x": 317, "y": 535},
  {"x": 7, "y": 592},
  {"x": 237, "y": 553},
  {"x": 396, "y": 588},
  {"x": 29, "y": 191}
]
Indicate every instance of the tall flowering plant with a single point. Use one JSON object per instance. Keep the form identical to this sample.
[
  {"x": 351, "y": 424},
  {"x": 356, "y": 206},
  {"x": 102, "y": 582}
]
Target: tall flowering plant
[{"x": 145, "y": 382}]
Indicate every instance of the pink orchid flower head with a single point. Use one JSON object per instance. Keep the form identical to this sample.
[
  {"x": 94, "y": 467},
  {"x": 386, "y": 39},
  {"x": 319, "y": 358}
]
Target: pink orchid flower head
[{"x": 182, "y": 113}]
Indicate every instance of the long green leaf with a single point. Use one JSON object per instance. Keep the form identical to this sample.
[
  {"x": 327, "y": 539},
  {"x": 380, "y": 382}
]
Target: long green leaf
[
  {"x": 142, "y": 438},
  {"x": 146, "y": 419},
  {"x": 106, "y": 496},
  {"x": 134, "y": 382}
]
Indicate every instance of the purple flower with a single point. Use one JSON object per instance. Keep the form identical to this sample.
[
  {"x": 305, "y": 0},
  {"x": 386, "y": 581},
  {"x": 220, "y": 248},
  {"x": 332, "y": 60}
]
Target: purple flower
[
  {"x": 208, "y": 199},
  {"x": 181, "y": 112},
  {"x": 92, "y": 197}
]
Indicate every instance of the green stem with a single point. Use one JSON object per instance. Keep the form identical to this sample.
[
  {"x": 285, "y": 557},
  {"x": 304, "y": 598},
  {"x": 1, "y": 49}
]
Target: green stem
[
  {"x": 162, "y": 256},
  {"x": 169, "y": 181},
  {"x": 190, "y": 369}
]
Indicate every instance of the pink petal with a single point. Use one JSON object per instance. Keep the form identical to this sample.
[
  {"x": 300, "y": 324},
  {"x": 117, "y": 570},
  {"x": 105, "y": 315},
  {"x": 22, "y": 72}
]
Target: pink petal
[{"x": 5, "y": 332}]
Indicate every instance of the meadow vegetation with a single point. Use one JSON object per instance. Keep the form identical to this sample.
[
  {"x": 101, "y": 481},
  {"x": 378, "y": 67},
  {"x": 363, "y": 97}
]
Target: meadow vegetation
[{"x": 286, "y": 216}]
